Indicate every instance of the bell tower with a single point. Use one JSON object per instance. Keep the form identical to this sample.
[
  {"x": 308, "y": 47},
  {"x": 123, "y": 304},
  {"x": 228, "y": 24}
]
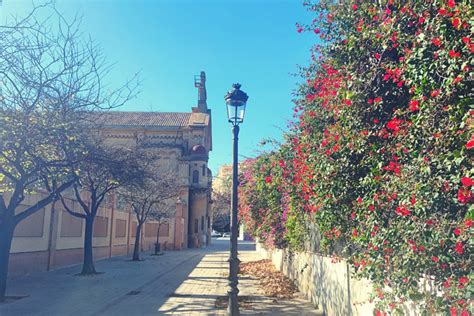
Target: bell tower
[{"x": 200, "y": 83}]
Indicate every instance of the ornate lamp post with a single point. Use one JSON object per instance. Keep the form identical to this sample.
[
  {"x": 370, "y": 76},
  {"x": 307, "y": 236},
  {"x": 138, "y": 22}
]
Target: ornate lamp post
[{"x": 235, "y": 100}]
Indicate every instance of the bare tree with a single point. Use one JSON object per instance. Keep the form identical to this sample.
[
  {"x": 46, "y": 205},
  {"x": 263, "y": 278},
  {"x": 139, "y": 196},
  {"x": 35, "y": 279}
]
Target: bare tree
[
  {"x": 104, "y": 170},
  {"x": 49, "y": 77},
  {"x": 157, "y": 189},
  {"x": 163, "y": 212}
]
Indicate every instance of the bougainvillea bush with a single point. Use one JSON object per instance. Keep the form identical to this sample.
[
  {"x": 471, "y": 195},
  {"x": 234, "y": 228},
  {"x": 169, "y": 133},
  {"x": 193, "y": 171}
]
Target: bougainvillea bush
[{"x": 380, "y": 156}]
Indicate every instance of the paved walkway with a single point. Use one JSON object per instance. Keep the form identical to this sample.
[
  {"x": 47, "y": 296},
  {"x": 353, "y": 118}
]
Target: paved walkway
[{"x": 185, "y": 282}]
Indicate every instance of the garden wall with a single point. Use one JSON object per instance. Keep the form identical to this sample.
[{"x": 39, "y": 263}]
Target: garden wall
[
  {"x": 324, "y": 282},
  {"x": 327, "y": 283}
]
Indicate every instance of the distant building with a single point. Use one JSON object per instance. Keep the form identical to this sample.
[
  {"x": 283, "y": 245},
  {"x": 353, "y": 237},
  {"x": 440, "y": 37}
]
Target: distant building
[
  {"x": 182, "y": 141},
  {"x": 221, "y": 188}
]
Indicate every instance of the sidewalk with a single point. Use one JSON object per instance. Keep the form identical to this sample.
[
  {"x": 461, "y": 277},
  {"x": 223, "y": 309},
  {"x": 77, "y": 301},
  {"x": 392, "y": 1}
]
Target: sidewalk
[
  {"x": 189, "y": 282},
  {"x": 208, "y": 281}
]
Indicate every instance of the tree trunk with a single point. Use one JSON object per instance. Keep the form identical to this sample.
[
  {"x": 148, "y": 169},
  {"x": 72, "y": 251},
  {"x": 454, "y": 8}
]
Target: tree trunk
[
  {"x": 157, "y": 239},
  {"x": 136, "y": 249},
  {"x": 88, "y": 264},
  {"x": 6, "y": 236}
]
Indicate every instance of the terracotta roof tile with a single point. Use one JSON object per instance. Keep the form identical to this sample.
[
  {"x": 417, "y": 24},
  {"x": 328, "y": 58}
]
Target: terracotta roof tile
[{"x": 172, "y": 119}]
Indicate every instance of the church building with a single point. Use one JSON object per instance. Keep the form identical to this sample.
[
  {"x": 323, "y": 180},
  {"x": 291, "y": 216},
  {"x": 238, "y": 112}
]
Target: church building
[{"x": 52, "y": 238}]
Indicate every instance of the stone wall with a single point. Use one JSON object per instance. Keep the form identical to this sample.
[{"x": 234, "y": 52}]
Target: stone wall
[{"x": 326, "y": 283}]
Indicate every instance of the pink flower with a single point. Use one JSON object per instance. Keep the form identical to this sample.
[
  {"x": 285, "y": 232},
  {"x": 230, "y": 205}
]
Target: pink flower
[{"x": 377, "y": 56}]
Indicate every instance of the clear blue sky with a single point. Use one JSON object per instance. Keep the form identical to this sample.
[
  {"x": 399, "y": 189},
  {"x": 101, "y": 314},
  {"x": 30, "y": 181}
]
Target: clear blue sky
[{"x": 253, "y": 42}]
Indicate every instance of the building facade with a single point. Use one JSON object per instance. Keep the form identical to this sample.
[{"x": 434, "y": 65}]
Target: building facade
[{"x": 181, "y": 141}]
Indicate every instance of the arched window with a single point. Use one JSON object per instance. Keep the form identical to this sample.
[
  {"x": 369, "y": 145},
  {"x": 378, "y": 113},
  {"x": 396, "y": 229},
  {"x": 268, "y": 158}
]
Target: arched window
[
  {"x": 195, "y": 176},
  {"x": 203, "y": 170}
]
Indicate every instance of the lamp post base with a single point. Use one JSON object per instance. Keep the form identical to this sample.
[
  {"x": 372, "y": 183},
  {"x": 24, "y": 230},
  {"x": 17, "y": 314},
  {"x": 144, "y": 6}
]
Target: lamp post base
[{"x": 233, "y": 292}]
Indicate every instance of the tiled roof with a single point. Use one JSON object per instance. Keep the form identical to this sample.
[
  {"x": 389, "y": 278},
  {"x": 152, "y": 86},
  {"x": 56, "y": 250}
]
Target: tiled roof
[{"x": 171, "y": 119}]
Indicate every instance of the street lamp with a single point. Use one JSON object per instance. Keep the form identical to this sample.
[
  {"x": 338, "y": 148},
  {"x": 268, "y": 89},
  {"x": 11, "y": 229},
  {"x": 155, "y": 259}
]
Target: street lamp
[{"x": 235, "y": 100}]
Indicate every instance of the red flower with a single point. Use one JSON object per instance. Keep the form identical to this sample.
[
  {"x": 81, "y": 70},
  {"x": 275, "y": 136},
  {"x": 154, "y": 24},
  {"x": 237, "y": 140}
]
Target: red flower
[
  {"x": 394, "y": 124},
  {"x": 456, "y": 231},
  {"x": 402, "y": 211},
  {"x": 359, "y": 200},
  {"x": 354, "y": 7},
  {"x": 454, "y": 54},
  {"x": 268, "y": 179},
  {"x": 470, "y": 143},
  {"x": 463, "y": 280},
  {"x": 468, "y": 223},
  {"x": 413, "y": 105},
  {"x": 456, "y": 22},
  {"x": 467, "y": 182},
  {"x": 435, "y": 259},
  {"x": 451, "y": 3},
  {"x": 436, "y": 41},
  {"x": 464, "y": 195},
  {"x": 377, "y": 56},
  {"x": 466, "y": 40},
  {"x": 434, "y": 93},
  {"x": 354, "y": 233},
  {"x": 459, "y": 248},
  {"x": 453, "y": 311},
  {"x": 447, "y": 283}
]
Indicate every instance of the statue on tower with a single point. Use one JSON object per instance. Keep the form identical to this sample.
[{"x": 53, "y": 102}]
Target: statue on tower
[{"x": 200, "y": 83}]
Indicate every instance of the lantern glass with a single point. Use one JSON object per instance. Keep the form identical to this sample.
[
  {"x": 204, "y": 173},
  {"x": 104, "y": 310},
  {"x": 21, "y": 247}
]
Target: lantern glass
[{"x": 236, "y": 111}]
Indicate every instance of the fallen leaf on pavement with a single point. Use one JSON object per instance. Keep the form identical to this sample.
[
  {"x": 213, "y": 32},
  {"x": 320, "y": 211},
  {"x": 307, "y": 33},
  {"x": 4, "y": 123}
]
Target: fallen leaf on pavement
[{"x": 273, "y": 282}]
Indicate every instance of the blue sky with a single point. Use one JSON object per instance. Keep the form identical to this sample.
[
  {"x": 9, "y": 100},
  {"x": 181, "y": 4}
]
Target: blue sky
[{"x": 253, "y": 42}]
